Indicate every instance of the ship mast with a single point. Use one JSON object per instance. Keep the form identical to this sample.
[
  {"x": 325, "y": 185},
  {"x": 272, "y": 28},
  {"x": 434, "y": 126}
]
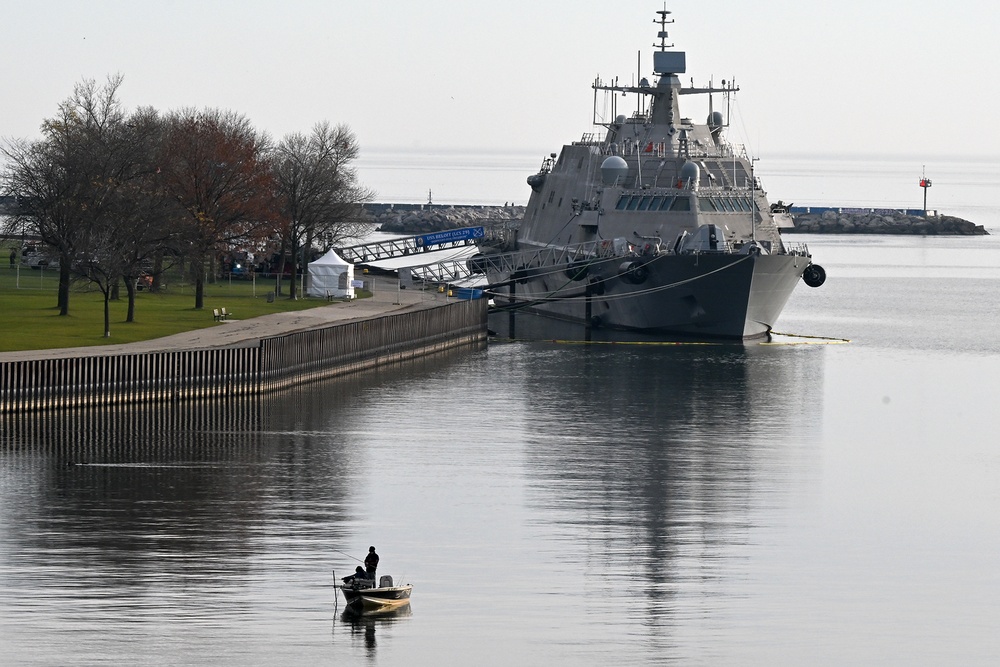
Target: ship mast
[{"x": 662, "y": 35}]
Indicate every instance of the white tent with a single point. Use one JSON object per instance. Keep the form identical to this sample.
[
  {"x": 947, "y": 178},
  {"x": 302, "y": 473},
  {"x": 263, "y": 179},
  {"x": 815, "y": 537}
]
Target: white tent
[{"x": 330, "y": 276}]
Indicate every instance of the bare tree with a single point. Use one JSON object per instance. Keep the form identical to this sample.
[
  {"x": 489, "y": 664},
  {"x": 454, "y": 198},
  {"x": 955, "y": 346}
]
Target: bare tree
[
  {"x": 318, "y": 192},
  {"x": 143, "y": 213},
  {"x": 47, "y": 202},
  {"x": 128, "y": 227},
  {"x": 113, "y": 193},
  {"x": 73, "y": 181},
  {"x": 102, "y": 265},
  {"x": 215, "y": 168}
]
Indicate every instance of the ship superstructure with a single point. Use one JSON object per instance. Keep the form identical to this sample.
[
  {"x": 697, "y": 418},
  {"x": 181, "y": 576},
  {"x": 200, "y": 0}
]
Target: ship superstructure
[{"x": 656, "y": 225}]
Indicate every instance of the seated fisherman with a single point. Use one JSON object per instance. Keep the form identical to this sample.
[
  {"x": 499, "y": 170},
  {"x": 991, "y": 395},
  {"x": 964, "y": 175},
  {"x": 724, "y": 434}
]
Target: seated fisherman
[{"x": 359, "y": 573}]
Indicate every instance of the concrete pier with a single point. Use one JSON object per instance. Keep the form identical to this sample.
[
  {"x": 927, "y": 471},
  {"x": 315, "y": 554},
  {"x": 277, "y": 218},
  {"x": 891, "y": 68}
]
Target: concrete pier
[{"x": 245, "y": 357}]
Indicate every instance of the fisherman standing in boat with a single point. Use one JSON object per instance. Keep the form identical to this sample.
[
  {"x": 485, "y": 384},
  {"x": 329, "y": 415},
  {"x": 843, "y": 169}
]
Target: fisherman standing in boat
[{"x": 371, "y": 563}]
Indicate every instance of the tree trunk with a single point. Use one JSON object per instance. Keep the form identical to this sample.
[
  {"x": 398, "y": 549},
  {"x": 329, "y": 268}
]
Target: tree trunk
[
  {"x": 199, "y": 293},
  {"x": 130, "y": 288},
  {"x": 64, "y": 284},
  {"x": 116, "y": 291},
  {"x": 306, "y": 258},
  {"x": 107, "y": 313},
  {"x": 198, "y": 268},
  {"x": 278, "y": 275},
  {"x": 293, "y": 283},
  {"x": 157, "y": 273}
]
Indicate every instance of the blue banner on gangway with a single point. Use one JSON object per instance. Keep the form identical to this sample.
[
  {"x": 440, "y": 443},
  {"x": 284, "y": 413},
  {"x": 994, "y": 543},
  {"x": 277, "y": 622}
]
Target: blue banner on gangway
[{"x": 451, "y": 235}]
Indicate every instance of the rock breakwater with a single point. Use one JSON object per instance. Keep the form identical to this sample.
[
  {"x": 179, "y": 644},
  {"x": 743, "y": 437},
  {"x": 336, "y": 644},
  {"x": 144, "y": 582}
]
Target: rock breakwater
[
  {"x": 424, "y": 218},
  {"x": 875, "y": 221}
]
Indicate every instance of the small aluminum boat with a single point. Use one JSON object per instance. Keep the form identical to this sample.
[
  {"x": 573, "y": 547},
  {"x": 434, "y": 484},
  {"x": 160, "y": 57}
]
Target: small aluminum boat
[{"x": 362, "y": 594}]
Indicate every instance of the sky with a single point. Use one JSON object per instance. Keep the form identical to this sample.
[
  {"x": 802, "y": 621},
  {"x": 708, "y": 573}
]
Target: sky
[{"x": 857, "y": 78}]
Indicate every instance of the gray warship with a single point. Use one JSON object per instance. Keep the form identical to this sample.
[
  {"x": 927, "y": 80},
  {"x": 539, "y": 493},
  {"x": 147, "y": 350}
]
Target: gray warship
[{"x": 655, "y": 225}]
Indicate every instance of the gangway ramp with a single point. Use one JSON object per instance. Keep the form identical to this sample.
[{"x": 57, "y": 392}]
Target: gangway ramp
[
  {"x": 492, "y": 269},
  {"x": 408, "y": 245}
]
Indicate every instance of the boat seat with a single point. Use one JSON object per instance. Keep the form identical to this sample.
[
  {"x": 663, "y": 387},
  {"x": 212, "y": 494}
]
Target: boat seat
[{"x": 385, "y": 581}]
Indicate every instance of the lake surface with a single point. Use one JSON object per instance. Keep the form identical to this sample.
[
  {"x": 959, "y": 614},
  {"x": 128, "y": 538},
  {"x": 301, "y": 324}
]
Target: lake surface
[
  {"x": 812, "y": 501},
  {"x": 808, "y": 502}
]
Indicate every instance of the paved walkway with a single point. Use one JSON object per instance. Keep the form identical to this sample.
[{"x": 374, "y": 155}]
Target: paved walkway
[{"x": 386, "y": 299}]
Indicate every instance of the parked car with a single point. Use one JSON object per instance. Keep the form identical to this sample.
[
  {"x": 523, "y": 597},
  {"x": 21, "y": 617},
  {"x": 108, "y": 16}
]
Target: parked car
[{"x": 37, "y": 260}]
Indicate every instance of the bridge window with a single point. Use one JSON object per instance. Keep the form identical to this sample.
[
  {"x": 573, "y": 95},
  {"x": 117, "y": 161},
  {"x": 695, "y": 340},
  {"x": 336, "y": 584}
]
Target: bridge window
[
  {"x": 622, "y": 203},
  {"x": 667, "y": 201},
  {"x": 644, "y": 203},
  {"x": 656, "y": 203},
  {"x": 681, "y": 204},
  {"x": 706, "y": 204}
]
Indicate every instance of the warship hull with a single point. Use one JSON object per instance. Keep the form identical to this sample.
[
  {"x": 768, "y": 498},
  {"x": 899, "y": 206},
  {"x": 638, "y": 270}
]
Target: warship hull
[{"x": 719, "y": 295}]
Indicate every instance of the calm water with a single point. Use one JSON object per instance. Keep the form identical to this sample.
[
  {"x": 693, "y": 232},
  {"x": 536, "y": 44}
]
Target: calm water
[
  {"x": 552, "y": 504},
  {"x": 800, "y": 503}
]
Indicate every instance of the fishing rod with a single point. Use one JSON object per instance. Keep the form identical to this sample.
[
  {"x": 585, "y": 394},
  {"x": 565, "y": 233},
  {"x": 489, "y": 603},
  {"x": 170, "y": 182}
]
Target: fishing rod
[{"x": 348, "y": 555}]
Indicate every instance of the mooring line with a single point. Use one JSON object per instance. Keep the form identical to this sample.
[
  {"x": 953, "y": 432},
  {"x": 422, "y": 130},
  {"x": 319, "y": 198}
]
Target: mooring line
[{"x": 820, "y": 340}]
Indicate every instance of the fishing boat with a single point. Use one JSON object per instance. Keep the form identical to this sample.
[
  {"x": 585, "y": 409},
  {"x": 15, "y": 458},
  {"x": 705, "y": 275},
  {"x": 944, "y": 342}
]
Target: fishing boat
[
  {"x": 658, "y": 225},
  {"x": 364, "y": 595}
]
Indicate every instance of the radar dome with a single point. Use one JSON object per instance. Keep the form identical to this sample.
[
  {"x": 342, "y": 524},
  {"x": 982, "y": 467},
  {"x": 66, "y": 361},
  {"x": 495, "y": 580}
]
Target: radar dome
[
  {"x": 613, "y": 168},
  {"x": 690, "y": 174}
]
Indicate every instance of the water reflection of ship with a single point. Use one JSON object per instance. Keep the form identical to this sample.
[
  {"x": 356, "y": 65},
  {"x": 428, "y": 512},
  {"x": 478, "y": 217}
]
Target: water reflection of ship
[{"x": 663, "y": 451}]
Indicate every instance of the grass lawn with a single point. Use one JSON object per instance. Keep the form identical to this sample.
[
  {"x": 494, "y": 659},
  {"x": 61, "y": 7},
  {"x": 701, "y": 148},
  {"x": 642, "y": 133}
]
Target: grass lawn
[{"x": 31, "y": 319}]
